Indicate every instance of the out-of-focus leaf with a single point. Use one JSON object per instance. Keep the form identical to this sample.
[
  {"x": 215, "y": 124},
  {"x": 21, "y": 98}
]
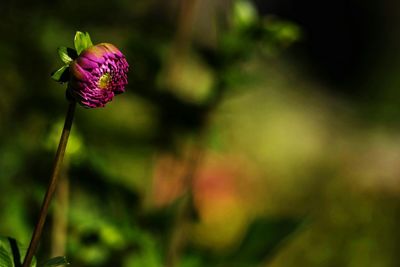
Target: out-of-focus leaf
[
  {"x": 161, "y": 219},
  {"x": 263, "y": 238},
  {"x": 57, "y": 261},
  {"x": 278, "y": 31},
  {"x": 244, "y": 13}
]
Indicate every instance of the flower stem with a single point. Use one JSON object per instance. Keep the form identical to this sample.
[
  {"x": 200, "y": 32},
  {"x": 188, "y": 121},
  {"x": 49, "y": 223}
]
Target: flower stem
[{"x": 51, "y": 187}]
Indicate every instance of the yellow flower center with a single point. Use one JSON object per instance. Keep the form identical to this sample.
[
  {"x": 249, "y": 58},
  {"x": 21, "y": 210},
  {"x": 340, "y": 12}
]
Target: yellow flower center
[{"x": 104, "y": 81}]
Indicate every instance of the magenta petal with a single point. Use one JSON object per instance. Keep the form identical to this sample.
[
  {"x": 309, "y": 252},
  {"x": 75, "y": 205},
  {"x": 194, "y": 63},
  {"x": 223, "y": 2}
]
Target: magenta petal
[
  {"x": 95, "y": 53},
  {"x": 86, "y": 63},
  {"x": 78, "y": 73},
  {"x": 97, "y": 75},
  {"x": 111, "y": 48}
]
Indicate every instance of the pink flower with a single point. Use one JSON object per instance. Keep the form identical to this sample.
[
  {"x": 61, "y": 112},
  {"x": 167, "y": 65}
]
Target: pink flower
[{"x": 97, "y": 74}]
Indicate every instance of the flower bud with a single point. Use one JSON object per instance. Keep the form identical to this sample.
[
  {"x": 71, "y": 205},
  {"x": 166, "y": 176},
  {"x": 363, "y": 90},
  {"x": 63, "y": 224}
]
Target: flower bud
[{"x": 97, "y": 74}]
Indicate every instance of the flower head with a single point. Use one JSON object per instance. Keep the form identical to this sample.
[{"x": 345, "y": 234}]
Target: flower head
[{"x": 95, "y": 75}]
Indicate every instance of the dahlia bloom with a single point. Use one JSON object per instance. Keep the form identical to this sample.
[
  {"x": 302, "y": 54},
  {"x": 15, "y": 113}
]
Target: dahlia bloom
[
  {"x": 95, "y": 73},
  {"x": 99, "y": 73}
]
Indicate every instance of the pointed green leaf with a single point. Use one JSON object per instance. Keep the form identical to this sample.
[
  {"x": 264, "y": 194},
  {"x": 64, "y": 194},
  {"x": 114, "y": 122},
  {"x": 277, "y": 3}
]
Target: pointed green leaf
[
  {"x": 12, "y": 253},
  {"x": 82, "y": 41},
  {"x": 61, "y": 75},
  {"x": 5, "y": 257},
  {"x": 57, "y": 261},
  {"x": 66, "y": 54}
]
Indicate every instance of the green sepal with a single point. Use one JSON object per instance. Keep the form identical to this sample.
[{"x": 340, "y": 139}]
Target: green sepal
[
  {"x": 61, "y": 75},
  {"x": 82, "y": 41},
  {"x": 57, "y": 261},
  {"x": 67, "y": 54},
  {"x": 88, "y": 40}
]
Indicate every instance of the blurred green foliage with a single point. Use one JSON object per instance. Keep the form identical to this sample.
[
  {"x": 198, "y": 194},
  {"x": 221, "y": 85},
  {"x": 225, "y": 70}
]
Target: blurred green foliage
[{"x": 110, "y": 154}]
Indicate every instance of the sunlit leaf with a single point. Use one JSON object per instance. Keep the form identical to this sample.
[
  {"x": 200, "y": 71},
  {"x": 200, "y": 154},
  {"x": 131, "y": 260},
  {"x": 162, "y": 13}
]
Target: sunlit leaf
[
  {"x": 66, "y": 54},
  {"x": 61, "y": 75},
  {"x": 82, "y": 41},
  {"x": 88, "y": 40}
]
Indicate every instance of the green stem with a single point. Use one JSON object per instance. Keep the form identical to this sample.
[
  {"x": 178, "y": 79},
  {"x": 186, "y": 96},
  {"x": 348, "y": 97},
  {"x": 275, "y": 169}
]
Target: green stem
[{"x": 51, "y": 187}]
